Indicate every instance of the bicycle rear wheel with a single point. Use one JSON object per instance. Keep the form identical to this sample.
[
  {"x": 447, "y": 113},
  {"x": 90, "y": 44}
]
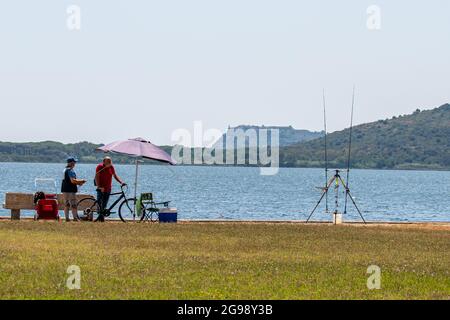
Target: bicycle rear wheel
[
  {"x": 127, "y": 211},
  {"x": 90, "y": 208}
]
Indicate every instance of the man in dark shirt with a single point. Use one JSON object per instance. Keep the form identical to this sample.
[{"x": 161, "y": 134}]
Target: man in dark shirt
[
  {"x": 69, "y": 189},
  {"x": 103, "y": 180}
]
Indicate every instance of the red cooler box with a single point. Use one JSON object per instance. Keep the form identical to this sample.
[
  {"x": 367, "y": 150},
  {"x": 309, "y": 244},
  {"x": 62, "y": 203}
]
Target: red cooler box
[{"x": 47, "y": 209}]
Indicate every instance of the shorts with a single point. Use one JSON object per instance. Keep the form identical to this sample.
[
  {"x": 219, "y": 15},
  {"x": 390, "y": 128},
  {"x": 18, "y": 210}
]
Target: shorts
[{"x": 70, "y": 200}]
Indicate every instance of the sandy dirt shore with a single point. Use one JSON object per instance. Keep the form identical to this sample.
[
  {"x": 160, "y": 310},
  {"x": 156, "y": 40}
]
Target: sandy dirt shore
[{"x": 402, "y": 225}]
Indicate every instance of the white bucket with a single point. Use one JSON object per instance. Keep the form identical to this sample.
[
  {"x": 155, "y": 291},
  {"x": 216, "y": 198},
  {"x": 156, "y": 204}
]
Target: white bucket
[{"x": 337, "y": 218}]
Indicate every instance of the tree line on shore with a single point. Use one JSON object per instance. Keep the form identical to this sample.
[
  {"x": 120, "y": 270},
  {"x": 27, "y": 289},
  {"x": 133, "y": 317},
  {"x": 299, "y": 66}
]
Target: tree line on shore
[{"x": 417, "y": 141}]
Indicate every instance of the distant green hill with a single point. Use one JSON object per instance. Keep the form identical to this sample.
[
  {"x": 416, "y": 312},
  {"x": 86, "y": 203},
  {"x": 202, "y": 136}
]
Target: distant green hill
[
  {"x": 46, "y": 151},
  {"x": 55, "y": 152},
  {"x": 417, "y": 141}
]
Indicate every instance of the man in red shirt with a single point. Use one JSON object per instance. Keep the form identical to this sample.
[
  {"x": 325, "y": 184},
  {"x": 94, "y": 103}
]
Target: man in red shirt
[{"x": 103, "y": 180}]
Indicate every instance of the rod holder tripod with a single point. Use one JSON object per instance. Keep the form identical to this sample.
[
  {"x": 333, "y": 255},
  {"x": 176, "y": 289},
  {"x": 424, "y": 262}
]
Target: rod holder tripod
[{"x": 337, "y": 180}]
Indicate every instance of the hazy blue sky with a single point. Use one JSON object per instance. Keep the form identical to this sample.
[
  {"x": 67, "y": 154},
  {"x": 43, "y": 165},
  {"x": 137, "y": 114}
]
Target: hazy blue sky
[{"x": 146, "y": 68}]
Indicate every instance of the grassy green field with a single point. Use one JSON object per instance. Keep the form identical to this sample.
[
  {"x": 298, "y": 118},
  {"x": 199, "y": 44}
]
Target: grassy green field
[{"x": 222, "y": 261}]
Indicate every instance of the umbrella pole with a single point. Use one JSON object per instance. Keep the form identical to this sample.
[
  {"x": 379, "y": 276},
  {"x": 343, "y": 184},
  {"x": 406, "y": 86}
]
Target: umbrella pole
[{"x": 135, "y": 188}]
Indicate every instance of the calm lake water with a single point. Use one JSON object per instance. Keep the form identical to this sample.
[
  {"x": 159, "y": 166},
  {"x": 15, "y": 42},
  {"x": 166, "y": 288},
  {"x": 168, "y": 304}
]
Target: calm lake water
[{"x": 236, "y": 193}]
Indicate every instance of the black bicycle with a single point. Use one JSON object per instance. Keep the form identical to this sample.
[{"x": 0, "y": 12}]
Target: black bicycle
[{"x": 91, "y": 208}]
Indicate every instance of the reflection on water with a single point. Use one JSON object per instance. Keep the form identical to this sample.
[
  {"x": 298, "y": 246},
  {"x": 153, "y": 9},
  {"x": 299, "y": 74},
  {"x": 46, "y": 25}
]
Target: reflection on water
[{"x": 241, "y": 193}]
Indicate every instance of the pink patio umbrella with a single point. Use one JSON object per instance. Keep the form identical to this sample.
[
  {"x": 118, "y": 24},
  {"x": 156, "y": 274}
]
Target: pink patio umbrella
[{"x": 139, "y": 148}]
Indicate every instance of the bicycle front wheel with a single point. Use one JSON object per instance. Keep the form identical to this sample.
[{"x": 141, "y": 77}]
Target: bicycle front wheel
[
  {"x": 89, "y": 207},
  {"x": 127, "y": 211}
]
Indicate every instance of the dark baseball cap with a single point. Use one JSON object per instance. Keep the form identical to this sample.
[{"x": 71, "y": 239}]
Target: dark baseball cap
[{"x": 71, "y": 159}]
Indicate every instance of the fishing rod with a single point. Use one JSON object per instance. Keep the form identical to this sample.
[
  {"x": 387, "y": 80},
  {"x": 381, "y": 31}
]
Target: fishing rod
[
  {"x": 326, "y": 151},
  {"x": 349, "y": 152},
  {"x": 336, "y": 179}
]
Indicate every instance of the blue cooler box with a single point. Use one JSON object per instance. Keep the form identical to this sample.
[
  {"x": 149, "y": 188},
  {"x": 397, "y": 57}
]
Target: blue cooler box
[{"x": 168, "y": 215}]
